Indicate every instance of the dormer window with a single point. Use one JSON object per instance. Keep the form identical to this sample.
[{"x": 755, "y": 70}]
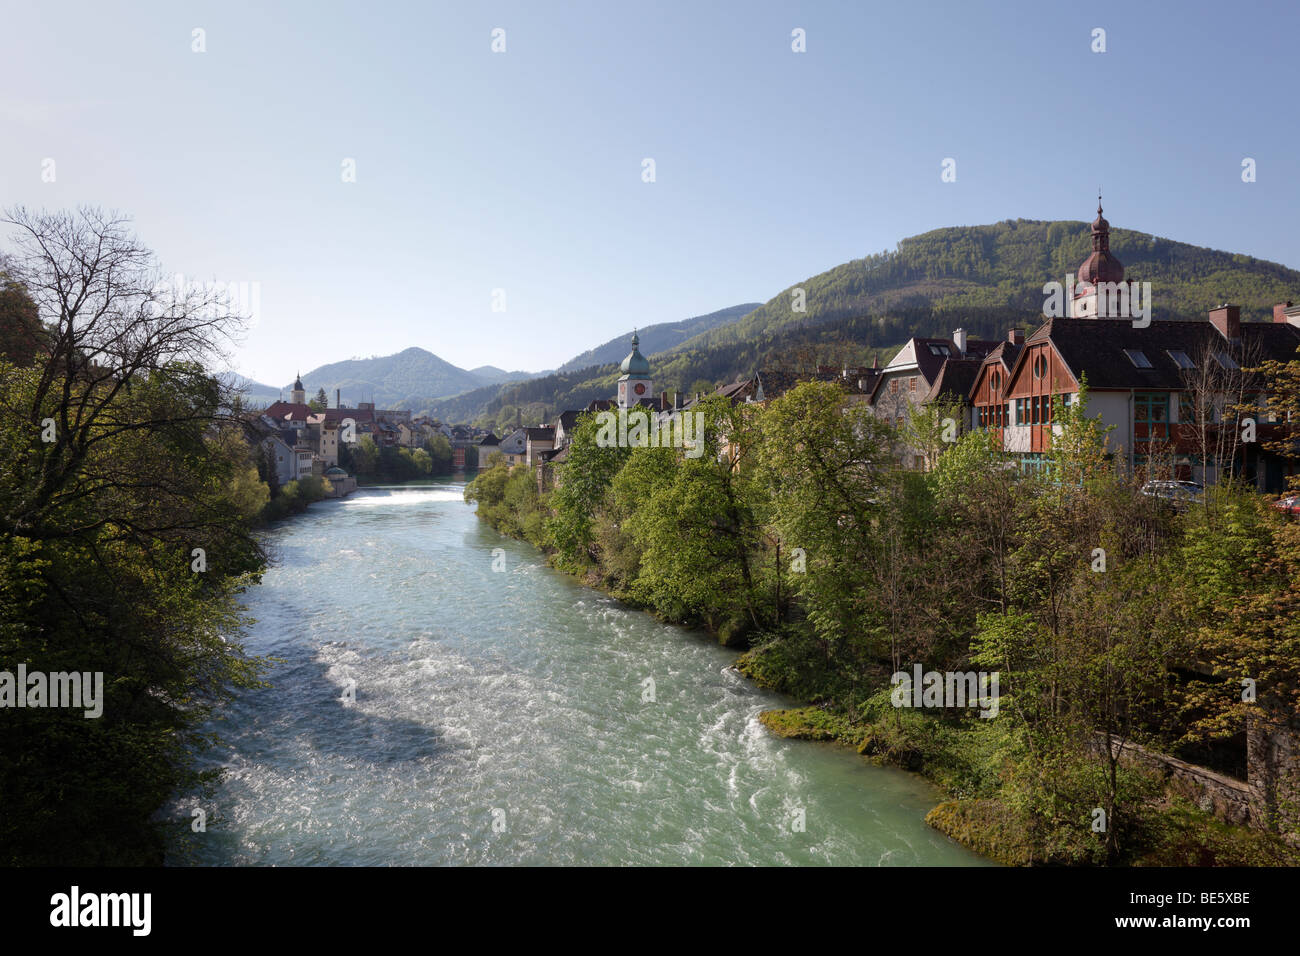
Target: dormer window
[{"x": 1138, "y": 358}]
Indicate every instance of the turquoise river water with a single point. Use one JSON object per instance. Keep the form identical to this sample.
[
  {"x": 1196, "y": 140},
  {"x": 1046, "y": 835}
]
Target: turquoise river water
[{"x": 505, "y": 717}]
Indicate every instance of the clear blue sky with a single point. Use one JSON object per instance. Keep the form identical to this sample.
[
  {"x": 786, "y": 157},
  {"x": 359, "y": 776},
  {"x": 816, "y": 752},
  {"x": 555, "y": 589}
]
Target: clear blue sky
[{"x": 522, "y": 170}]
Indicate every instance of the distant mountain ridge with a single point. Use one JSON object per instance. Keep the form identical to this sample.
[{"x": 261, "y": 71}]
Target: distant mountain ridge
[
  {"x": 657, "y": 338},
  {"x": 985, "y": 279},
  {"x": 417, "y": 379}
]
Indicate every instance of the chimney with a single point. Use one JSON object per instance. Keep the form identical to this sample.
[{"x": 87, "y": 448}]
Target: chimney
[
  {"x": 663, "y": 400},
  {"x": 1016, "y": 336},
  {"x": 1279, "y": 311},
  {"x": 959, "y": 338},
  {"x": 338, "y": 398},
  {"x": 677, "y": 399},
  {"x": 1227, "y": 319}
]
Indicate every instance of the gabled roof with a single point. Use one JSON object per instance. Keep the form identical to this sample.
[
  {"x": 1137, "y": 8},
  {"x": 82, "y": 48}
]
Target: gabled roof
[
  {"x": 955, "y": 379},
  {"x": 1097, "y": 348},
  {"x": 489, "y": 439},
  {"x": 568, "y": 419},
  {"x": 513, "y": 444},
  {"x": 289, "y": 411},
  {"x": 542, "y": 433}
]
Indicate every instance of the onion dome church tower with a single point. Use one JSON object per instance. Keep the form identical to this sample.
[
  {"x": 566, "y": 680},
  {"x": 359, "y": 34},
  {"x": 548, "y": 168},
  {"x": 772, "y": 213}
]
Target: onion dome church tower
[
  {"x": 1100, "y": 268},
  {"x": 634, "y": 383},
  {"x": 299, "y": 395}
]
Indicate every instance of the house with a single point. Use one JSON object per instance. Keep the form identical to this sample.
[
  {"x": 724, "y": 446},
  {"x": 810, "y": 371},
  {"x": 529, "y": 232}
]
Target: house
[
  {"x": 905, "y": 382},
  {"x": 538, "y": 442},
  {"x": 281, "y": 457},
  {"x": 1168, "y": 388},
  {"x": 514, "y": 447}
]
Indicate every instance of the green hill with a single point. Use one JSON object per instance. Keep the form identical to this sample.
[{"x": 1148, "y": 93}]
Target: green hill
[
  {"x": 1004, "y": 266},
  {"x": 657, "y": 338},
  {"x": 985, "y": 279}
]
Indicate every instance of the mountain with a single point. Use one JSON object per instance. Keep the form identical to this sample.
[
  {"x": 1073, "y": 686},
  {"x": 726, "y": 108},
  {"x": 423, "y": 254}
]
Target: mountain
[
  {"x": 388, "y": 379},
  {"x": 491, "y": 375},
  {"x": 657, "y": 338},
  {"x": 257, "y": 394},
  {"x": 1003, "y": 266},
  {"x": 985, "y": 279}
]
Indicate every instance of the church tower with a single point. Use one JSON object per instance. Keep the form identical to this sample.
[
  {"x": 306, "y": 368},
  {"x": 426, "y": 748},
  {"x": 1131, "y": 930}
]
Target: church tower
[
  {"x": 298, "y": 396},
  {"x": 1100, "y": 267},
  {"x": 634, "y": 383}
]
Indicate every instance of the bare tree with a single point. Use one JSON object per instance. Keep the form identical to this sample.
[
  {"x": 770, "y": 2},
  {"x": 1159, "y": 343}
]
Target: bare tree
[{"x": 112, "y": 322}]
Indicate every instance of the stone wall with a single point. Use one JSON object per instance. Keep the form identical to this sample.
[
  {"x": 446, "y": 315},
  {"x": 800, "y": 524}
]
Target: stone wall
[
  {"x": 1228, "y": 799},
  {"x": 1268, "y": 800}
]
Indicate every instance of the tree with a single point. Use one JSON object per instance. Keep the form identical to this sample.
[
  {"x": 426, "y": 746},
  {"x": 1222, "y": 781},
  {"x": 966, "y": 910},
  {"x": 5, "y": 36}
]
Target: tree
[
  {"x": 320, "y": 402},
  {"x": 126, "y": 495}
]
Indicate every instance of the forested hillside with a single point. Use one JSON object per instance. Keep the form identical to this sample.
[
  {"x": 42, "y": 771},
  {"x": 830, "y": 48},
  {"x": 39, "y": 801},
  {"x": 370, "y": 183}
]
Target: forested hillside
[
  {"x": 985, "y": 279},
  {"x": 1004, "y": 266}
]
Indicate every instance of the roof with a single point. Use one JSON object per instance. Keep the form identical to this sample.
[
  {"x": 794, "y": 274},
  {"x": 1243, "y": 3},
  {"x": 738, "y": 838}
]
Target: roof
[
  {"x": 289, "y": 411},
  {"x": 489, "y": 439},
  {"x": 955, "y": 379},
  {"x": 513, "y": 444},
  {"x": 568, "y": 419},
  {"x": 1096, "y": 348},
  {"x": 635, "y": 364},
  {"x": 929, "y": 354},
  {"x": 543, "y": 433}
]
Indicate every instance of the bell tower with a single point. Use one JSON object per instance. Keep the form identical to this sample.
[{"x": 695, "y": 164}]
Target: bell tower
[{"x": 634, "y": 383}]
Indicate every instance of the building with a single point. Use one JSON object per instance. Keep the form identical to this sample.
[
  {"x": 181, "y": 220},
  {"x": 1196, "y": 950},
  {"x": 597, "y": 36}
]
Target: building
[
  {"x": 514, "y": 447},
  {"x": 1175, "y": 394},
  {"x": 635, "y": 382},
  {"x": 538, "y": 442},
  {"x": 904, "y": 383}
]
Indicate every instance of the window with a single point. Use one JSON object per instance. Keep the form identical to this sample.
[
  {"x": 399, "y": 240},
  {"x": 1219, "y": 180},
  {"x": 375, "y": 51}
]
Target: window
[
  {"x": 911, "y": 384},
  {"x": 1040, "y": 365},
  {"x": 1180, "y": 358},
  {"x": 1021, "y": 412},
  {"x": 939, "y": 350},
  {"x": 995, "y": 380},
  {"x": 1150, "y": 415},
  {"x": 1186, "y": 408},
  {"x": 893, "y": 386},
  {"x": 1006, "y": 414},
  {"x": 1226, "y": 360},
  {"x": 1138, "y": 358}
]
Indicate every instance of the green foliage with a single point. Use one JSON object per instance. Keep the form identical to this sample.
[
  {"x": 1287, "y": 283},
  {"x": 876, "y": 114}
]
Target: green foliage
[{"x": 797, "y": 532}]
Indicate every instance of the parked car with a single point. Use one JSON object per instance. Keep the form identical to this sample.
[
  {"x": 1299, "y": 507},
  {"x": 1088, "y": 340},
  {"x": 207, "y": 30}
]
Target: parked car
[
  {"x": 1179, "y": 494},
  {"x": 1289, "y": 505}
]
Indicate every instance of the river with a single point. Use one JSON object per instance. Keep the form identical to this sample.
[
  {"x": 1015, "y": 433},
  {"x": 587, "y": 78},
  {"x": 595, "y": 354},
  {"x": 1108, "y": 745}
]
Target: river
[{"x": 507, "y": 717}]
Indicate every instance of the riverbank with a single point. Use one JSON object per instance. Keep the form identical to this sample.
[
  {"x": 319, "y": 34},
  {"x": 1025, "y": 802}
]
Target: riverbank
[{"x": 999, "y": 797}]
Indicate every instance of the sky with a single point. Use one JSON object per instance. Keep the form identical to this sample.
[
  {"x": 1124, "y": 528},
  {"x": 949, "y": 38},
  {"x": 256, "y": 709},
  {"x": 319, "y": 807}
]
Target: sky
[{"x": 523, "y": 170}]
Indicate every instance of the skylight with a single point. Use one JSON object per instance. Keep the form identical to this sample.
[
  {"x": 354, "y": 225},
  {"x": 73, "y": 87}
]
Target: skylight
[
  {"x": 938, "y": 350},
  {"x": 1138, "y": 358},
  {"x": 1180, "y": 358},
  {"x": 1226, "y": 360}
]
